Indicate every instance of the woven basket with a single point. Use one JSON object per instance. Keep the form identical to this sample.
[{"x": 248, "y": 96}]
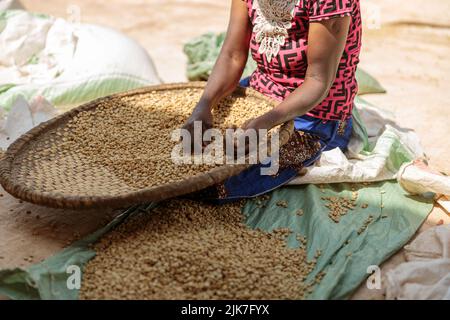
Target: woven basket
[{"x": 16, "y": 173}]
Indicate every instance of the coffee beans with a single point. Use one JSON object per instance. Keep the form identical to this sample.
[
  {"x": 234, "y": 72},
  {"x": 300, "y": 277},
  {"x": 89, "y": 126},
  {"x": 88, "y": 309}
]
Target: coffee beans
[
  {"x": 282, "y": 204},
  {"x": 189, "y": 250},
  {"x": 339, "y": 206},
  {"x": 367, "y": 222},
  {"x": 125, "y": 143}
]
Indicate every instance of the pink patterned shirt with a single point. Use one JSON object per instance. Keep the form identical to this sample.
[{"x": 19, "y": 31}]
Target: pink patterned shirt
[{"x": 279, "y": 44}]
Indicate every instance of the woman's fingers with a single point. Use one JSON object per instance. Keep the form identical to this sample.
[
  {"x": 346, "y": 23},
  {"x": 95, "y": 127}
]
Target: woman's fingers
[{"x": 196, "y": 129}]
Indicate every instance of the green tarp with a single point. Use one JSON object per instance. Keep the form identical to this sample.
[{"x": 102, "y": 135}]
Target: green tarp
[
  {"x": 391, "y": 228},
  {"x": 396, "y": 218},
  {"x": 202, "y": 53}
]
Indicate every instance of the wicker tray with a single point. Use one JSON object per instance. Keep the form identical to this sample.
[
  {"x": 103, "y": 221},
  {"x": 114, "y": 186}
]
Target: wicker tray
[{"x": 22, "y": 180}]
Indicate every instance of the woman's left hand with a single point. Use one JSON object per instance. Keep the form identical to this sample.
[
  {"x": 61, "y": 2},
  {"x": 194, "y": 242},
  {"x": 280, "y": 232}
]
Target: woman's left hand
[{"x": 257, "y": 124}]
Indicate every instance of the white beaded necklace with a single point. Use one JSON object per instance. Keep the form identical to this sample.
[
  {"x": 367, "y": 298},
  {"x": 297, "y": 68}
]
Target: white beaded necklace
[{"x": 273, "y": 20}]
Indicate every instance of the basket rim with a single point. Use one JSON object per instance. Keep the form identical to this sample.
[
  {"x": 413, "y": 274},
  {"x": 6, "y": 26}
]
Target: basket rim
[{"x": 154, "y": 193}]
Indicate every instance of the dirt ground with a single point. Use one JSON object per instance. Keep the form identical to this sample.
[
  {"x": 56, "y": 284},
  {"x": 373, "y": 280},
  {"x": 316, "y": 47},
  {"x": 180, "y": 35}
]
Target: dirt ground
[{"x": 408, "y": 52}]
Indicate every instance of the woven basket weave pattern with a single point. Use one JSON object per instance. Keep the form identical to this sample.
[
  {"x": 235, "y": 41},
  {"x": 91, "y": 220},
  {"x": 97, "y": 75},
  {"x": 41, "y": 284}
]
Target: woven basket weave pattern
[{"x": 39, "y": 169}]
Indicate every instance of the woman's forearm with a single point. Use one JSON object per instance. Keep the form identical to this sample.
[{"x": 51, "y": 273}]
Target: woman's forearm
[
  {"x": 300, "y": 101},
  {"x": 231, "y": 62},
  {"x": 225, "y": 76}
]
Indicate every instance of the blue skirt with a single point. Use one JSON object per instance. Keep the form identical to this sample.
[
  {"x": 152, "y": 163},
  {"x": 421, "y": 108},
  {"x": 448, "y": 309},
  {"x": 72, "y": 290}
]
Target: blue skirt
[{"x": 312, "y": 136}]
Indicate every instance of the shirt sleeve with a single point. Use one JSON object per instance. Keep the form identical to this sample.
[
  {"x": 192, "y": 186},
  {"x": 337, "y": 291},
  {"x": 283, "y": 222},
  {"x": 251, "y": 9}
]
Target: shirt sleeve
[{"x": 326, "y": 9}]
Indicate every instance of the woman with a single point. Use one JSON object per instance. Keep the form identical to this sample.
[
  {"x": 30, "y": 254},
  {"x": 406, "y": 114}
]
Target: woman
[{"x": 306, "y": 52}]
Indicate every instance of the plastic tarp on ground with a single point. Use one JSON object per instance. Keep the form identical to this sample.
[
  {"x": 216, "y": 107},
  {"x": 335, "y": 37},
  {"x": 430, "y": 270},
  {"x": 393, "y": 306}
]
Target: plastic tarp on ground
[
  {"x": 345, "y": 264},
  {"x": 66, "y": 63},
  {"x": 396, "y": 218},
  {"x": 202, "y": 53}
]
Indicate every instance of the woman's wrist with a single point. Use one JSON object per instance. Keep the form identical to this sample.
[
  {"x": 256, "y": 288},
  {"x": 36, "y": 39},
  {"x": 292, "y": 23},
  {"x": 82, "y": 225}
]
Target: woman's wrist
[
  {"x": 204, "y": 104},
  {"x": 271, "y": 119},
  {"x": 286, "y": 111}
]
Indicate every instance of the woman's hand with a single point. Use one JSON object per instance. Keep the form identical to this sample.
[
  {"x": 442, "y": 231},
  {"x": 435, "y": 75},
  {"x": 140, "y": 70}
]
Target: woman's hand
[
  {"x": 257, "y": 124},
  {"x": 201, "y": 113},
  {"x": 263, "y": 122}
]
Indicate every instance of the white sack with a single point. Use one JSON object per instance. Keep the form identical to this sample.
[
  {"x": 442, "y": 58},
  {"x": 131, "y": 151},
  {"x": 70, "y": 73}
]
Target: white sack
[
  {"x": 67, "y": 63},
  {"x": 418, "y": 181}
]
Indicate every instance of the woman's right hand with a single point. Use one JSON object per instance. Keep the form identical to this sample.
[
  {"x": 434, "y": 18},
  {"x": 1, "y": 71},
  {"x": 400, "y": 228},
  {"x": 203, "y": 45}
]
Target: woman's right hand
[{"x": 202, "y": 113}]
